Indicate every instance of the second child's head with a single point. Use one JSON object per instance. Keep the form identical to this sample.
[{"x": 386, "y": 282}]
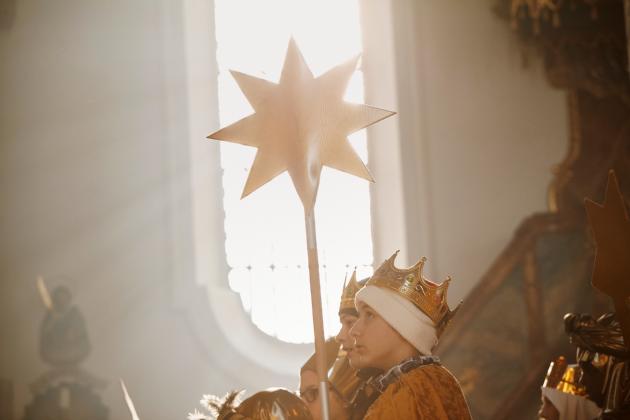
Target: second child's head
[{"x": 401, "y": 315}]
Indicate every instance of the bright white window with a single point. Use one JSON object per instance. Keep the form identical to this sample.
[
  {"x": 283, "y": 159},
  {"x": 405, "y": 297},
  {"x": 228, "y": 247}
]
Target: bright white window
[{"x": 265, "y": 245}]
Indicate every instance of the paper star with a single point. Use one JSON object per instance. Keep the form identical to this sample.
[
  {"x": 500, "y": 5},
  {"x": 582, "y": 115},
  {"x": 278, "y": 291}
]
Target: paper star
[
  {"x": 300, "y": 125},
  {"x": 611, "y": 229}
]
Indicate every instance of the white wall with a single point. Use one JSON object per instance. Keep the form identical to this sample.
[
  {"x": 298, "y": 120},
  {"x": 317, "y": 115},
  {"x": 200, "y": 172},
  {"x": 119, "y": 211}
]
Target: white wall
[
  {"x": 94, "y": 183},
  {"x": 479, "y": 135}
]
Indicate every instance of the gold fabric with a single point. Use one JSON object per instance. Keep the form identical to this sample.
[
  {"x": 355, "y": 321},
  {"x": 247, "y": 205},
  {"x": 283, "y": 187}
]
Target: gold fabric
[
  {"x": 426, "y": 393},
  {"x": 344, "y": 378}
]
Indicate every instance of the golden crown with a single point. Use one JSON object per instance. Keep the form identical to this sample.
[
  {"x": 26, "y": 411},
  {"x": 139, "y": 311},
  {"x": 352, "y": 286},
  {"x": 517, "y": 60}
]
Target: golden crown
[
  {"x": 409, "y": 283},
  {"x": 569, "y": 384},
  {"x": 350, "y": 288},
  {"x": 564, "y": 377},
  {"x": 555, "y": 372}
]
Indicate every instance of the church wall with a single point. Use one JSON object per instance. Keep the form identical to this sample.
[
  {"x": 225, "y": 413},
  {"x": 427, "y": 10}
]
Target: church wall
[{"x": 480, "y": 134}]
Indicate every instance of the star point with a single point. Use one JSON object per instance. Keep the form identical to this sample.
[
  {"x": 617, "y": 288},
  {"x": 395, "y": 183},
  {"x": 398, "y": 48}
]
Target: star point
[{"x": 611, "y": 230}]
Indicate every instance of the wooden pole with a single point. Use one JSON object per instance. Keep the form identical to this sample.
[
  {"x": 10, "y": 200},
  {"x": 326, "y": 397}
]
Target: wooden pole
[{"x": 316, "y": 305}]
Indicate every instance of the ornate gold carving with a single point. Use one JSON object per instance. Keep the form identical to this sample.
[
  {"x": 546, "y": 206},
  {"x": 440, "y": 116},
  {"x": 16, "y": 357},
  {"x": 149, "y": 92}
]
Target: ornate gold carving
[{"x": 538, "y": 10}]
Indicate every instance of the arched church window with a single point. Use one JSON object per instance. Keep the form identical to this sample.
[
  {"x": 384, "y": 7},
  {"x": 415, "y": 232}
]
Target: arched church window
[{"x": 265, "y": 245}]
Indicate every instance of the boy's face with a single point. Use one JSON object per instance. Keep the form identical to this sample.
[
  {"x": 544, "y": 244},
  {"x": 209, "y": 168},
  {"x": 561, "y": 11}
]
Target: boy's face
[
  {"x": 376, "y": 343},
  {"x": 309, "y": 392},
  {"x": 347, "y": 342}
]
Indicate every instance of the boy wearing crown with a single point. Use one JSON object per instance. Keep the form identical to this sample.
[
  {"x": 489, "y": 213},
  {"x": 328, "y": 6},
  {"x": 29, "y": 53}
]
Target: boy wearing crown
[
  {"x": 343, "y": 375},
  {"x": 401, "y": 316}
]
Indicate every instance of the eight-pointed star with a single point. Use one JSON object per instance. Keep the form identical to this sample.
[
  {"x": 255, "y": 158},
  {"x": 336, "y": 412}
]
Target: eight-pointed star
[{"x": 300, "y": 125}]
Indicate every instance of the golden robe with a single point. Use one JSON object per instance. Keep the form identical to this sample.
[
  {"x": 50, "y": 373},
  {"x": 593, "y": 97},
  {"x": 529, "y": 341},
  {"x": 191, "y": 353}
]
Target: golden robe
[
  {"x": 344, "y": 378},
  {"x": 425, "y": 393}
]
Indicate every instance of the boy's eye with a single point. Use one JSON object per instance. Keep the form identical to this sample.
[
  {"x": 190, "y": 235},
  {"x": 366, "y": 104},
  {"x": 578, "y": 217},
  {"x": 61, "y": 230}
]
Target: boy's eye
[
  {"x": 310, "y": 394},
  {"x": 348, "y": 321}
]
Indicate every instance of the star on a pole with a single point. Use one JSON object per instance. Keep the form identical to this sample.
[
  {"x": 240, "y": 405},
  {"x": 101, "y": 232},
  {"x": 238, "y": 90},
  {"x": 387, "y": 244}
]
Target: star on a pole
[{"x": 300, "y": 125}]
